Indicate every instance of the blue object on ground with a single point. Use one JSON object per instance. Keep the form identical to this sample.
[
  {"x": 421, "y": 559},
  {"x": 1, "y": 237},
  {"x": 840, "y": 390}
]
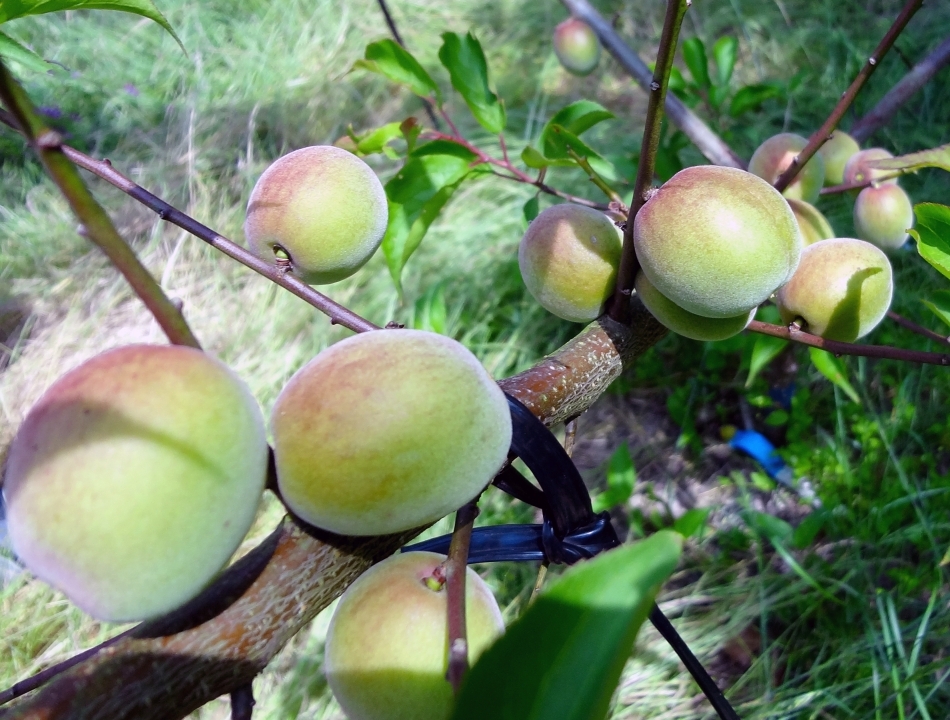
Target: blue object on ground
[{"x": 758, "y": 447}]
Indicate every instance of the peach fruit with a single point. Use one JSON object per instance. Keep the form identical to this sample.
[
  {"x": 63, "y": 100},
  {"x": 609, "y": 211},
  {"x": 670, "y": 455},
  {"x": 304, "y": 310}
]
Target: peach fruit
[
  {"x": 841, "y": 290},
  {"x": 836, "y": 152},
  {"x": 773, "y": 156},
  {"x": 813, "y": 225},
  {"x": 882, "y": 216},
  {"x": 569, "y": 258},
  {"x": 717, "y": 241},
  {"x": 134, "y": 478},
  {"x": 685, "y": 323},
  {"x": 856, "y": 170},
  {"x": 386, "y": 431},
  {"x": 387, "y": 645},
  {"x": 576, "y": 46},
  {"x": 320, "y": 210}
]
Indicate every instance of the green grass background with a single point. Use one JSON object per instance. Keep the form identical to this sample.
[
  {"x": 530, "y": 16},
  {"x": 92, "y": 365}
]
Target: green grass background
[{"x": 856, "y": 628}]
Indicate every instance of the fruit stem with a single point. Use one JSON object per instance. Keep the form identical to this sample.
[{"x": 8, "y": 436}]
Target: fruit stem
[
  {"x": 338, "y": 314},
  {"x": 675, "y": 12},
  {"x": 94, "y": 221},
  {"x": 822, "y": 134},
  {"x": 612, "y": 194},
  {"x": 455, "y": 569}
]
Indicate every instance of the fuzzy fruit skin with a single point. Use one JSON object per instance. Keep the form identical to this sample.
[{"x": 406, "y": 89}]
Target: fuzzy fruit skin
[
  {"x": 813, "y": 225},
  {"x": 842, "y": 289},
  {"x": 576, "y": 46},
  {"x": 324, "y": 206},
  {"x": 836, "y": 152},
  {"x": 685, "y": 323},
  {"x": 717, "y": 241},
  {"x": 386, "y": 431},
  {"x": 882, "y": 216},
  {"x": 773, "y": 156},
  {"x": 387, "y": 645},
  {"x": 135, "y": 477},
  {"x": 856, "y": 170},
  {"x": 569, "y": 258}
]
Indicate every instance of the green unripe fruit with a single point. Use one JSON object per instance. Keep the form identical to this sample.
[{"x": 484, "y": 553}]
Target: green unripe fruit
[
  {"x": 386, "y": 431},
  {"x": 387, "y": 645},
  {"x": 882, "y": 216},
  {"x": 774, "y": 156},
  {"x": 858, "y": 170},
  {"x": 836, "y": 152},
  {"x": 842, "y": 289},
  {"x": 569, "y": 258},
  {"x": 685, "y": 323},
  {"x": 321, "y": 211},
  {"x": 134, "y": 478},
  {"x": 717, "y": 241},
  {"x": 811, "y": 223},
  {"x": 576, "y": 46}
]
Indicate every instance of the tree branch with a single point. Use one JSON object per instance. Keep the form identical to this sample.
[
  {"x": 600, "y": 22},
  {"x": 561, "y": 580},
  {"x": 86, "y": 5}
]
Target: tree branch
[
  {"x": 919, "y": 329},
  {"x": 455, "y": 568},
  {"x": 821, "y": 135}
]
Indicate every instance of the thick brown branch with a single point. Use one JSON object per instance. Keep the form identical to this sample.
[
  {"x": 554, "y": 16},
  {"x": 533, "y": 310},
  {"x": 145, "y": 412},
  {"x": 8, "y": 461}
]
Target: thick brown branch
[{"x": 821, "y": 135}]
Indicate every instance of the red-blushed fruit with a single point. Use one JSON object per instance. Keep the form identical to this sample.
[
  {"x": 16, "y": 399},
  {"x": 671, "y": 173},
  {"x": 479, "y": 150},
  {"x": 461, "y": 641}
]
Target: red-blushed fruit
[
  {"x": 685, "y": 323},
  {"x": 772, "y": 158},
  {"x": 857, "y": 169},
  {"x": 386, "y": 431},
  {"x": 323, "y": 208},
  {"x": 387, "y": 645},
  {"x": 569, "y": 258},
  {"x": 717, "y": 241},
  {"x": 883, "y": 215},
  {"x": 134, "y": 478},
  {"x": 836, "y": 152},
  {"x": 576, "y": 46},
  {"x": 811, "y": 223},
  {"x": 841, "y": 290}
]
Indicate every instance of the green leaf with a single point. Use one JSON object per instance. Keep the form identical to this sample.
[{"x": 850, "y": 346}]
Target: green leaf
[
  {"x": 808, "y": 529},
  {"x": 833, "y": 369},
  {"x": 391, "y": 60},
  {"x": 577, "y": 118},
  {"x": 376, "y": 140},
  {"x": 768, "y": 526},
  {"x": 463, "y": 58},
  {"x": 751, "y": 96},
  {"x": 530, "y": 208},
  {"x": 932, "y": 234},
  {"x": 765, "y": 349},
  {"x": 430, "y": 312},
  {"x": 694, "y": 53},
  {"x": 692, "y": 521},
  {"x": 12, "y": 9},
  {"x": 559, "y": 139},
  {"x": 10, "y": 49},
  {"x": 677, "y": 82},
  {"x": 621, "y": 476},
  {"x": 939, "y": 304},
  {"x": 725, "y": 51},
  {"x": 563, "y": 657},
  {"x": 410, "y": 130},
  {"x": 938, "y": 157}
]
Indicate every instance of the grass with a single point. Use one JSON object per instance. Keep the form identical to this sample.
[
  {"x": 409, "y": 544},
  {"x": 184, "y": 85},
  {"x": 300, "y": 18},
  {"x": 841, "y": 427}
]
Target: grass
[{"x": 848, "y": 624}]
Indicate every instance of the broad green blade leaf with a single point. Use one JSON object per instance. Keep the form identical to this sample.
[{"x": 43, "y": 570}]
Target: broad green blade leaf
[
  {"x": 724, "y": 53},
  {"x": 410, "y": 130},
  {"x": 530, "y": 208},
  {"x": 376, "y": 140},
  {"x": 677, "y": 81},
  {"x": 10, "y": 49},
  {"x": 773, "y": 528},
  {"x": 533, "y": 159},
  {"x": 694, "y": 53},
  {"x": 751, "y": 96},
  {"x": 391, "y": 60},
  {"x": 429, "y": 312},
  {"x": 465, "y": 61},
  {"x": 938, "y": 157},
  {"x": 559, "y": 139},
  {"x": 621, "y": 476},
  {"x": 11, "y": 9},
  {"x": 939, "y": 303},
  {"x": 932, "y": 234},
  {"x": 833, "y": 369},
  {"x": 765, "y": 349},
  {"x": 563, "y": 657},
  {"x": 577, "y": 118},
  {"x": 692, "y": 521}
]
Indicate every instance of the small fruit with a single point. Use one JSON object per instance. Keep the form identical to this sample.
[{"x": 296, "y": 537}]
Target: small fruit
[
  {"x": 882, "y": 216},
  {"x": 773, "y": 156},
  {"x": 836, "y": 152},
  {"x": 857, "y": 170},
  {"x": 320, "y": 210},
  {"x": 576, "y": 46},
  {"x": 841, "y": 290},
  {"x": 387, "y": 645},
  {"x": 717, "y": 241},
  {"x": 569, "y": 258},
  {"x": 386, "y": 431},
  {"x": 134, "y": 478},
  {"x": 685, "y": 323},
  {"x": 813, "y": 225}
]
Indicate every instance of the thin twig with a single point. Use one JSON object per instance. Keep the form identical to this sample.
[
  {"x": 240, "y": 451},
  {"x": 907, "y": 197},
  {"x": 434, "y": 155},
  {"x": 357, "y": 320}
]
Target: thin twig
[
  {"x": 338, "y": 314},
  {"x": 820, "y": 136},
  {"x": 913, "y": 81},
  {"x": 455, "y": 568},
  {"x": 919, "y": 329},
  {"x": 592, "y": 175},
  {"x": 538, "y": 582},
  {"x": 242, "y": 703},
  {"x": 95, "y": 222},
  {"x": 627, "y": 273},
  {"x": 795, "y": 334}
]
